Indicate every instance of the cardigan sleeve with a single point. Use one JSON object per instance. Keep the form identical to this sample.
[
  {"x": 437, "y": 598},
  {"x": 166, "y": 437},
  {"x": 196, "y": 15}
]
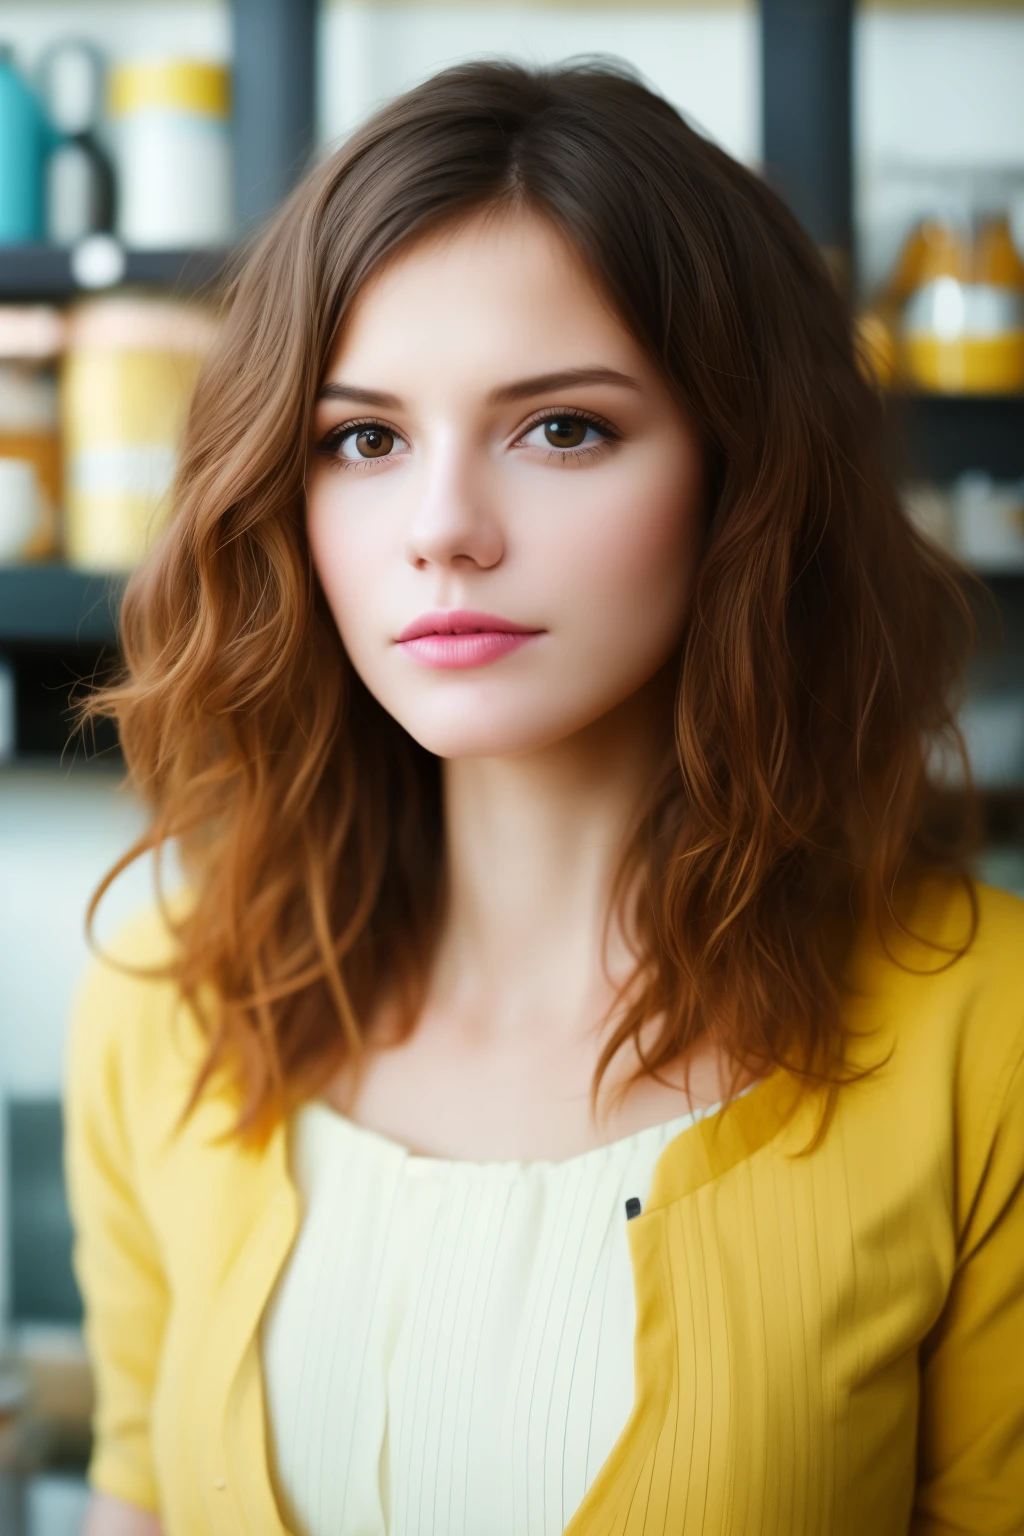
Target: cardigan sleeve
[
  {"x": 115, "y": 1255},
  {"x": 971, "y": 1445}
]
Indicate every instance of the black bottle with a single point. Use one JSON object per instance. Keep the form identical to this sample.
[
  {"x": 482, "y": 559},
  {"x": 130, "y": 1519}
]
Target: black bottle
[{"x": 79, "y": 193}]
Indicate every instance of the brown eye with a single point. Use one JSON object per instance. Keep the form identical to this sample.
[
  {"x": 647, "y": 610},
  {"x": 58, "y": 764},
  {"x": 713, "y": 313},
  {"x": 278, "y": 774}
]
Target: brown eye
[
  {"x": 361, "y": 443},
  {"x": 566, "y": 436},
  {"x": 373, "y": 442},
  {"x": 565, "y": 431}
]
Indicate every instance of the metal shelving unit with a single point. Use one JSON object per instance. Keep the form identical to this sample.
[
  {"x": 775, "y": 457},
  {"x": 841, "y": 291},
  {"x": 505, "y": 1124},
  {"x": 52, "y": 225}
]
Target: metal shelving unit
[
  {"x": 57, "y": 622},
  {"x": 47, "y": 273},
  {"x": 58, "y": 625},
  {"x": 58, "y": 628},
  {"x": 947, "y": 434},
  {"x": 52, "y": 604},
  {"x": 807, "y": 57}
]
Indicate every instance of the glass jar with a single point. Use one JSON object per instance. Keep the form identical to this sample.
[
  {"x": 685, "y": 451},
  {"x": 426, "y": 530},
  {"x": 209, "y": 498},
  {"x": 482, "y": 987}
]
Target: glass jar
[
  {"x": 31, "y": 338},
  {"x": 962, "y": 322},
  {"x": 129, "y": 370}
]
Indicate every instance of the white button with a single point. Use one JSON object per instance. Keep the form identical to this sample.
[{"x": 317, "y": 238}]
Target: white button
[{"x": 220, "y": 1484}]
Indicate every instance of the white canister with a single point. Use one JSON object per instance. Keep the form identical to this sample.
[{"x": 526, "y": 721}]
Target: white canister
[
  {"x": 19, "y": 509},
  {"x": 171, "y": 119},
  {"x": 988, "y": 518},
  {"x": 993, "y": 729},
  {"x": 928, "y": 508}
]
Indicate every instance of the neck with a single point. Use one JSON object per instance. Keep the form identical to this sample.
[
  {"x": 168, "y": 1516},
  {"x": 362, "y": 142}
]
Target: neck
[{"x": 533, "y": 845}]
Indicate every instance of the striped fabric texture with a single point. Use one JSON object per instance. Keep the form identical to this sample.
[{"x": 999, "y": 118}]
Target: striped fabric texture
[{"x": 450, "y": 1346}]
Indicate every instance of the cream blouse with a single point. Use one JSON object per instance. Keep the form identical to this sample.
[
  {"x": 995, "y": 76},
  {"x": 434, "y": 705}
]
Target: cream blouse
[{"x": 449, "y": 1348}]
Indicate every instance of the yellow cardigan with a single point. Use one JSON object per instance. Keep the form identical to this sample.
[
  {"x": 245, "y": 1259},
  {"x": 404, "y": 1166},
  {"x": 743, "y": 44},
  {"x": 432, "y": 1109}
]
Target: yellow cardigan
[{"x": 824, "y": 1344}]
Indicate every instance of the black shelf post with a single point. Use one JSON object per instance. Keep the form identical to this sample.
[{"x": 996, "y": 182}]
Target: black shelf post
[
  {"x": 806, "y": 66},
  {"x": 274, "y": 101}
]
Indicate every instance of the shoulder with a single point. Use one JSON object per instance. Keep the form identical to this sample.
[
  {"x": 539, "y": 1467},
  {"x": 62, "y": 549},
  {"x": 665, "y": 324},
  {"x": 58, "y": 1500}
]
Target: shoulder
[
  {"x": 952, "y": 963},
  {"x": 135, "y": 1050},
  {"x": 126, "y": 1020},
  {"x": 943, "y": 913},
  {"x": 937, "y": 1010}
]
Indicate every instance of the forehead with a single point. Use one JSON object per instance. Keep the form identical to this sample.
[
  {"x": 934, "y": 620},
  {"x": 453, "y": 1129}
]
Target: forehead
[{"x": 489, "y": 293}]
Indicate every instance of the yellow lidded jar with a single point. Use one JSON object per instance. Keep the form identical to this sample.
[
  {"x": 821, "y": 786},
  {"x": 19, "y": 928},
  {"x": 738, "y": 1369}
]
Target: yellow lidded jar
[
  {"x": 129, "y": 371},
  {"x": 172, "y": 139},
  {"x": 963, "y": 324}
]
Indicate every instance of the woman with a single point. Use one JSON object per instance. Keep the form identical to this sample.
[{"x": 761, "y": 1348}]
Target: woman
[{"x": 540, "y": 678}]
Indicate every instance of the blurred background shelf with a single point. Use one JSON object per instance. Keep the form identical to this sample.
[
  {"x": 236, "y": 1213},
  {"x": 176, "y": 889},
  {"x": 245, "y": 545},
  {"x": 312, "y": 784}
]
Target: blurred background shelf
[
  {"x": 58, "y": 632},
  {"x": 51, "y": 603},
  {"x": 48, "y": 273},
  {"x": 948, "y": 434}
]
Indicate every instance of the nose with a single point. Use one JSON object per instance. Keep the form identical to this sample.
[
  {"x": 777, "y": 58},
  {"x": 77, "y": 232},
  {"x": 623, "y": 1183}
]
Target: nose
[{"x": 455, "y": 522}]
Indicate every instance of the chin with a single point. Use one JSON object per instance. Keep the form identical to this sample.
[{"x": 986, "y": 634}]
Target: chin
[{"x": 474, "y": 730}]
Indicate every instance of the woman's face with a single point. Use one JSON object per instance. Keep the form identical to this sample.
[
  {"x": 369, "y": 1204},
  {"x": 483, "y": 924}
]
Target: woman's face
[{"x": 493, "y": 454}]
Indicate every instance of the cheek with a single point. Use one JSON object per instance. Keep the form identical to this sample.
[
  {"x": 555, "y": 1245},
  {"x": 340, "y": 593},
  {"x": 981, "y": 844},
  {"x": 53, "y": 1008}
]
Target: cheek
[
  {"x": 634, "y": 551},
  {"x": 349, "y": 554}
]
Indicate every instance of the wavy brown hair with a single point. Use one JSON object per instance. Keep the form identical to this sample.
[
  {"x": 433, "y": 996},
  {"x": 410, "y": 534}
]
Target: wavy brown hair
[{"x": 823, "y": 643}]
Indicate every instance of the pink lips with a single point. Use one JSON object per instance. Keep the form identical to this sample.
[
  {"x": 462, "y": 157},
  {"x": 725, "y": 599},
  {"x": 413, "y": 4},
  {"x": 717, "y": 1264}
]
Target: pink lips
[{"x": 462, "y": 637}]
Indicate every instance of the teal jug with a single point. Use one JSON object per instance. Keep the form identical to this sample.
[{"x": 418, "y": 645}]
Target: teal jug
[{"x": 25, "y": 139}]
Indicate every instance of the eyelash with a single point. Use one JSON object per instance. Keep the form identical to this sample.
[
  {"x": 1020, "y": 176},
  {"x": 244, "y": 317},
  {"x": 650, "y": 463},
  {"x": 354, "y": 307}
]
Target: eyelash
[{"x": 330, "y": 442}]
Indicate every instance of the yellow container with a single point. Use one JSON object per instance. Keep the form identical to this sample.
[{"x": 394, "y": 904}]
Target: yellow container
[
  {"x": 172, "y": 145},
  {"x": 176, "y": 85},
  {"x": 128, "y": 376},
  {"x": 962, "y": 287},
  {"x": 966, "y": 365},
  {"x": 996, "y": 258},
  {"x": 31, "y": 338},
  {"x": 933, "y": 249}
]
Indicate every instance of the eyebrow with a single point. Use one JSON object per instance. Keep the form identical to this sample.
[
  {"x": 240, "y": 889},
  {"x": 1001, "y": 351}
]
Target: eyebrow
[{"x": 519, "y": 389}]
